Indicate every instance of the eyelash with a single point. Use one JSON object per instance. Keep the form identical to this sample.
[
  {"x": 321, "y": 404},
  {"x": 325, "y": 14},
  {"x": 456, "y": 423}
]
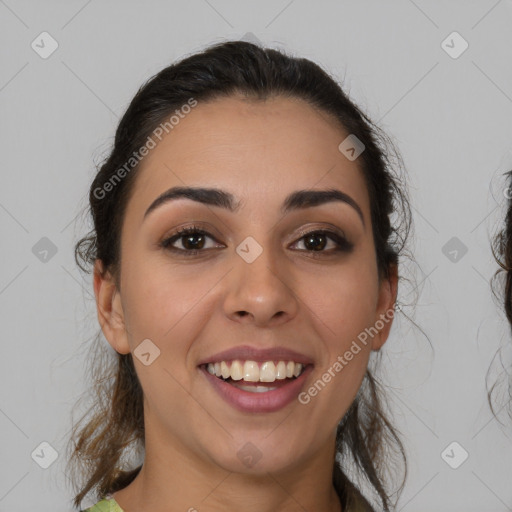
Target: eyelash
[{"x": 343, "y": 245}]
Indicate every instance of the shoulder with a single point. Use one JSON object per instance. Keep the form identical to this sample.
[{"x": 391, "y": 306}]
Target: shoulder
[{"x": 105, "y": 505}]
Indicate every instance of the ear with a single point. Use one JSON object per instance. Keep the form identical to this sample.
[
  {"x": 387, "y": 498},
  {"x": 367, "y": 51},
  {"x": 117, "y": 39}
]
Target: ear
[
  {"x": 385, "y": 307},
  {"x": 109, "y": 309}
]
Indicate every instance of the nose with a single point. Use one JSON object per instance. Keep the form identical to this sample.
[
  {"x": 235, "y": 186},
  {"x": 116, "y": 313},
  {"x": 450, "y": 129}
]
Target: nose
[{"x": 260, "y": 292}]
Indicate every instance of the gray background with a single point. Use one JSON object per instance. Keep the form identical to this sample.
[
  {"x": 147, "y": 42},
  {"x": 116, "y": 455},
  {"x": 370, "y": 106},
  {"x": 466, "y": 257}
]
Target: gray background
[{"x": 450, "y": 117}]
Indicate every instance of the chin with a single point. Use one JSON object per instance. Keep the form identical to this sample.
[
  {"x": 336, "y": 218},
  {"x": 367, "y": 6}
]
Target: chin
[{"x": 253, "y": 456}]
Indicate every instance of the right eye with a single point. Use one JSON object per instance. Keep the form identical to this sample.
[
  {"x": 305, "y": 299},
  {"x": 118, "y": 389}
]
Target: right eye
[{"x": 192, "y": 239}]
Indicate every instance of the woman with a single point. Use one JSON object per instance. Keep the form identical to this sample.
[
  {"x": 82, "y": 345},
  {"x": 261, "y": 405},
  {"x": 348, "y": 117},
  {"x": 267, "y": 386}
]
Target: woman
[{"x": 245, "y": 267}]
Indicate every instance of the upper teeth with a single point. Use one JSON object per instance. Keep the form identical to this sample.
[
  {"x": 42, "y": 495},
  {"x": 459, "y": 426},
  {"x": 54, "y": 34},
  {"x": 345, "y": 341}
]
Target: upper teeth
[{"x": 251, "y": 371}]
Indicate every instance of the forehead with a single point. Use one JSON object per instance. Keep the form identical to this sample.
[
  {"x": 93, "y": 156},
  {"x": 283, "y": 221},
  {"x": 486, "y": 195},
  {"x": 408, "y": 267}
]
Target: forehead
[{"x": 258, "y": 150}]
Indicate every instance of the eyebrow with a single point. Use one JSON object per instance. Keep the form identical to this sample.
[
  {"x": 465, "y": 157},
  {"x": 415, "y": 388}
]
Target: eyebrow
[{"x": 223, "y": 199}]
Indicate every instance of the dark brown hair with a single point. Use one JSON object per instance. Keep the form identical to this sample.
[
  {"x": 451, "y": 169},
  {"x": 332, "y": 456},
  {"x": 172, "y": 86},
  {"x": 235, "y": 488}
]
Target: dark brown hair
[
  {"x": 501, "y": 285},
  {"x": 502, "y": 252},
  {"x": 365, "y": 438}
]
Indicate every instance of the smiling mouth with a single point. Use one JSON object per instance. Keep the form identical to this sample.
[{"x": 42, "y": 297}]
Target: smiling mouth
[
  {"x": 256, "y": 377},
  {"x": 257, "y": 387}
]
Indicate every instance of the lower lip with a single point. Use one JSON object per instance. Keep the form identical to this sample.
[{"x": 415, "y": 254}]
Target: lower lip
[{"x": 269, "y": 401}]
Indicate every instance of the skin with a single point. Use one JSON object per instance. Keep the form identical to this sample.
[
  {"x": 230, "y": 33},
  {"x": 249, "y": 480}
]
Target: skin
[{"x": 190, "y": 307}]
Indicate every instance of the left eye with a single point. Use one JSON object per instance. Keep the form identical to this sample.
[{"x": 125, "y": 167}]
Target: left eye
[{"x": 315, "y": 241}]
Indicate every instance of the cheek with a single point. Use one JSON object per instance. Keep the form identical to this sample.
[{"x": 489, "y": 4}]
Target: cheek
[
  {"x": 168, "y": 306},
  {"x": 344, "y": 309},
  {"x": 343, "y": 306},
  {"x": 166, "y": 302},
  {"x": 344, "y": 299}
]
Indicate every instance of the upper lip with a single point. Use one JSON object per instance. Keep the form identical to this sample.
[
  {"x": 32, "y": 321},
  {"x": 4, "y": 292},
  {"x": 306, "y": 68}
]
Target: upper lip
[{"x": 248, "y": 353}]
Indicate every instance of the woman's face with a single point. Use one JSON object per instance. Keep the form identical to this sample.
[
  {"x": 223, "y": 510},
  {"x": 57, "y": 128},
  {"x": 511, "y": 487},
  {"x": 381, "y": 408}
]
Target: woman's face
[{"x": 255, "y": 281}]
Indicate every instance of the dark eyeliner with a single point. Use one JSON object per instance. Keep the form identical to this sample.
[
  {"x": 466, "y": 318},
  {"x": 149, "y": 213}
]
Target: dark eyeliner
[
  {"x": 166, "y": 243},
  {"x": 343, "y": 245}
]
